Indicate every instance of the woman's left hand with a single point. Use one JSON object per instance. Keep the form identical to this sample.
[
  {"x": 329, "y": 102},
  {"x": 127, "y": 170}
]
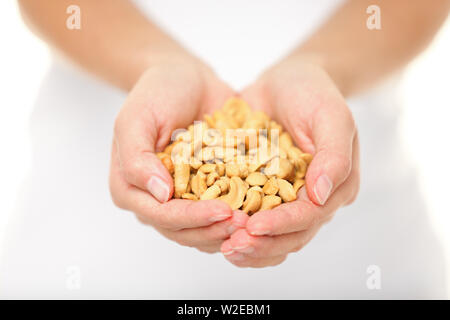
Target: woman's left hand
[{"x": 302, "y": 97}]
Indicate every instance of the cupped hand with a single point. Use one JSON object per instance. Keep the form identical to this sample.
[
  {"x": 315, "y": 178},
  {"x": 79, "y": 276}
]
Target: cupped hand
[
  {"x": 168, "y": 96},
  {"x": 303, "y": 98}
]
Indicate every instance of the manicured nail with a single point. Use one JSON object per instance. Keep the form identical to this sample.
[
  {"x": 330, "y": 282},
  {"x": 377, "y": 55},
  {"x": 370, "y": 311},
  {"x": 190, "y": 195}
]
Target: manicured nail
[
  {"x": 220, "y": 217},
  {"x": 228, "y": 253},
  {"x": 259, "y": 230},
  {"x": 158, "y": 188},
  {"x": 220, "y": 214},
  {"x": 322, "y": 188}
]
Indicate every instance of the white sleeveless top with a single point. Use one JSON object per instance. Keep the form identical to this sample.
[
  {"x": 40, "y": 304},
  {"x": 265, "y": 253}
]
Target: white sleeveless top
[{"x": 68, "y": 240}]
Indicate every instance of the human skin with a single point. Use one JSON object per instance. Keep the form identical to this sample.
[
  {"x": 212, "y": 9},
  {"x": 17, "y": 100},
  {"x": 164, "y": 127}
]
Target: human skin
[
  {"x": 303, "y": 98},
  {"x": 169, "y": 88},
  {"x": 305, "y": 93},
  {"x": 167, "y": 97}
]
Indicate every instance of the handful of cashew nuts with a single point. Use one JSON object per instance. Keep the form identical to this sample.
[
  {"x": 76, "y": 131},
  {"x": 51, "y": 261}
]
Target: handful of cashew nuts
[{"x": 238, "y": 156}]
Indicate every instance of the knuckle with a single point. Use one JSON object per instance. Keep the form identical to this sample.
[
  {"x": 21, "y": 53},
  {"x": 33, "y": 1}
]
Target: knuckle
[
  {"x": 353, "y": 196},
  {"x": 117, "y": 201},
  {"x": 299, "y": 246},
  {"x": 348, "y": 119},
  {"x": 117, "y": 128},
  {"x": 217, "y": 233},
  {"x": 116, "y": 197},
  {"x": 340, "y": 160},
  {"x": 344, "y": 162},
  {"x": 283, "y": 258}
]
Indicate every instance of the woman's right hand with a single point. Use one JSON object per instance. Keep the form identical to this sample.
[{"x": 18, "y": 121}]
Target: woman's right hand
[{"x": 167, "y": 96}]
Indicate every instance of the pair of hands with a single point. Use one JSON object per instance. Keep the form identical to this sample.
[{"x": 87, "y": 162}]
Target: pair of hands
[{"x": 296, "y": 93}]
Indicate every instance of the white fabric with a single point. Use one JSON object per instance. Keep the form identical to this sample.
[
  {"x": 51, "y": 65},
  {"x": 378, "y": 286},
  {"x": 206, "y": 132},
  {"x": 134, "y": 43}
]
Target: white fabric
[{"x": 65, "y": 220}]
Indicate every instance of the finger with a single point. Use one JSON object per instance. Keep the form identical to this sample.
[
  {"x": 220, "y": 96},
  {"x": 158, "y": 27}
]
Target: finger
[
  {"x": 333, "y": 131},
  {"x": 354, "y": 178},
  {"x": 177, "y": 214},
  {"x": 135, "y": 142},
  {"x": 174, "y": 215},
  {"x": 238, "y": 221},
  {"x": 209, "y": 249},
  {"x": 299, "y": 215},
  {"x": 204, "y": 245},
  {"x": 270, "y": 246},
  {"x": 242, "y": 261},
  {"x": 213, "y": 234}
]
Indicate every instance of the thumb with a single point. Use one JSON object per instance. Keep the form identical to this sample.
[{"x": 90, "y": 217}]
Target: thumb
[
  {"x": 135, "y": 143},
  {"x": 332, "y": 132}
]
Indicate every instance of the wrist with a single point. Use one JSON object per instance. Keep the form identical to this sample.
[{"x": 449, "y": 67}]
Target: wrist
[
  {"x": 332, "y": 66},
  {"x": 159, "y": 54}
]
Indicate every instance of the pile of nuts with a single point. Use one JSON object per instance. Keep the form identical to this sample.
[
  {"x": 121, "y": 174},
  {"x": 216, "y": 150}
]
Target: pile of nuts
[{"x": 237, "y": 155}]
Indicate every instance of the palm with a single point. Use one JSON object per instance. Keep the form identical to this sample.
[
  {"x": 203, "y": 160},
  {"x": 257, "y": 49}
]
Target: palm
[
  {"x": 171, "y": 97},
  {"x": 306, "y": 102}
]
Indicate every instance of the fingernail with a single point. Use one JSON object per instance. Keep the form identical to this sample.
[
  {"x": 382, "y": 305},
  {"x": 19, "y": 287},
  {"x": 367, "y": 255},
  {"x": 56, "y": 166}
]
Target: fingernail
[
  {"x": 258, "y": 230},
  {"x": 158, "y": 188},
  {"x": 220, "y": 214},
  {"x": 228, "y": 253},
  {"x": 219, "y": 217},
  {"x": 322, "y": 188}
]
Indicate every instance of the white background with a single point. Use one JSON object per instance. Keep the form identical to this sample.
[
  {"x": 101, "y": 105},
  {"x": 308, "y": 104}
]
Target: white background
[{"x": 425, "y": 92}]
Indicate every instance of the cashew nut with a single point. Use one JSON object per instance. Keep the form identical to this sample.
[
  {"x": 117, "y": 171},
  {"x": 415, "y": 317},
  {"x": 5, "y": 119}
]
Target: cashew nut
[
  {"x": 300, "y": 166},
  {"x": 271, "y": 186},
  {"x": 181, "y": 178},
  {"x": 286, "y": 191},
  {"x": 206, "y": 154},
  {"x": 223, "y": 183},
  {"x": 285, "y": 141},
  {"x": 253, "y": 200},
  {"x": 166, "y": 161},
  {"x": 207, "y": 168},
  {"x": 211, "y": 193},
  {"x": 256, "y": 179},
  {"x": 243, "y": 170},
  {"x": 198, "y": 184},
  {"x": 195, "y": 163},
  {"x": 235, "y": 197},
  {"x": 232, "y": 169},
  {"x": 220, "y": 169},
  {"x": 298, "y": 183},
  {"x": 211, "y": 178},
  {"x": 253, "y": 167},
  {"x": 307, "y": 157},
  {"x": 269, "y": 202},
  {"x": 189, "y": 196},
  {"x": 282, "y": 168}
]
